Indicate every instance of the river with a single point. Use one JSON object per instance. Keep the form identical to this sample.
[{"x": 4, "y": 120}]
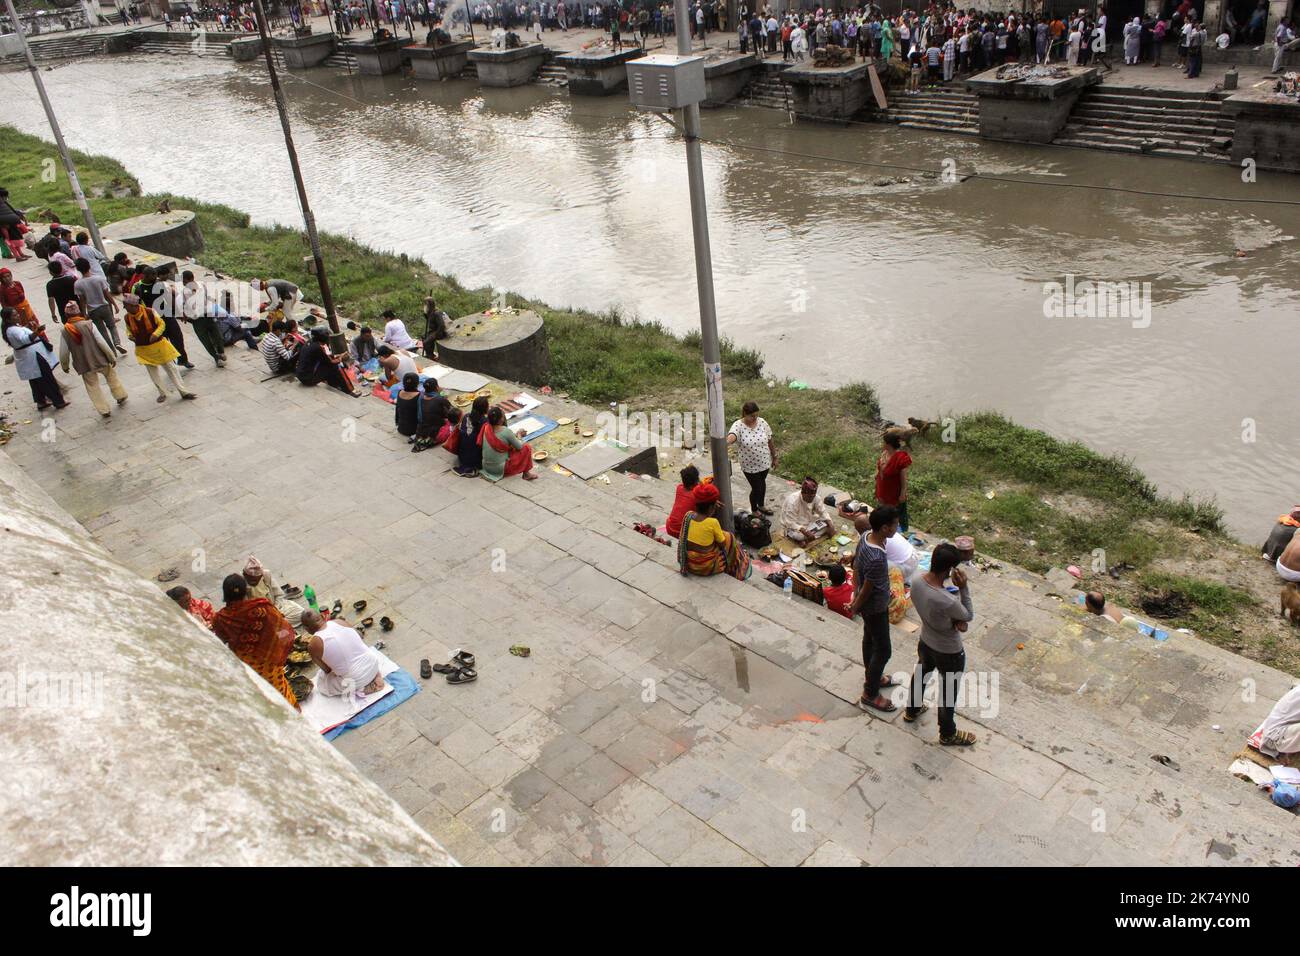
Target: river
[{"x": 931, "y": 290}]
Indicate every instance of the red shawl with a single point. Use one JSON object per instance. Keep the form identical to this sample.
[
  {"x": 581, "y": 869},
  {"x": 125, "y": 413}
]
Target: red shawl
[{"x": 490, "y": 433}]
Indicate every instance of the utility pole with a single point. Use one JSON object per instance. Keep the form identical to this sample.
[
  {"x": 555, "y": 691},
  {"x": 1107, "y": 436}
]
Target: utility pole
[
  {"x": 86, "y": 214},
  {"x": 690, "y": 120},
  {"x": 336, "y": 340}
]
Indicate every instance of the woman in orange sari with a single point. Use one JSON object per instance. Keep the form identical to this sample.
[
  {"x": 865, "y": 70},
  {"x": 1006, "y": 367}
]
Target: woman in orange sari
[
  {"x": 704, "y": 548},
  {"x": 257, "y": 633}
]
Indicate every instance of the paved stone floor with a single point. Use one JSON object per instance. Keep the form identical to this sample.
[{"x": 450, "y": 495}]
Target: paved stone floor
[{"x": 658, "y": 719}]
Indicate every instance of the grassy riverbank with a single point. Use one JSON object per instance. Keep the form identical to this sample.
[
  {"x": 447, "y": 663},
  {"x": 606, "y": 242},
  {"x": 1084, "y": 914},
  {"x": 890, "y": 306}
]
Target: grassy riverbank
[{"x": 1029, "y": 498}]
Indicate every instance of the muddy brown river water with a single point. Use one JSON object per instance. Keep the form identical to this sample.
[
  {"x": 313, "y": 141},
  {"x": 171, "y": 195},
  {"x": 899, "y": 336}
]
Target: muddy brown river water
[{"x": 932, "y": 291}]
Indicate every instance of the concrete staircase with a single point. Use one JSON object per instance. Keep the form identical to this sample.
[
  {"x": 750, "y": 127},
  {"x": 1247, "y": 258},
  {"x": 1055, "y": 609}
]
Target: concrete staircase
[
  {"x": 768, "y": 90},
  {"x": 551, "y": 73},
  {"x": 63, "y": 47},
  {"x": 945, "y": 108},
  {"x": 1177, "y": 123}
]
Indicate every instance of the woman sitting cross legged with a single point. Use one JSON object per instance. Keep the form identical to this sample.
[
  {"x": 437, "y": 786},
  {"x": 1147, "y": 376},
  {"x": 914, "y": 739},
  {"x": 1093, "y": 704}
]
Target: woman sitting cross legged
[
  {"x": 704, "y": 548},
  {"x": 504, "y": 452}
]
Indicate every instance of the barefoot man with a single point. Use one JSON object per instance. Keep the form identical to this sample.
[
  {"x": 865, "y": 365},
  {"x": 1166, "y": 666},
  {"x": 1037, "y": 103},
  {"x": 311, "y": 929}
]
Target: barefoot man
[{"x": 347, "y": 665}]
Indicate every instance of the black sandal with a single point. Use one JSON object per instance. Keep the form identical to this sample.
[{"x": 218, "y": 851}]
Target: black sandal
[
  {"x": 463, "y": 658},
  {"x": 446, "y": 668},
  {"x": 386, "y": 624},
  {"x": 425, "y": 670},
  {"x": 462, "y": 675},
  {"x": 358, "y": 606}
]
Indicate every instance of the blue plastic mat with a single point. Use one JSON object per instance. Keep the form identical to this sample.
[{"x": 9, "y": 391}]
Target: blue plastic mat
[{"x": 404, "y": 688}]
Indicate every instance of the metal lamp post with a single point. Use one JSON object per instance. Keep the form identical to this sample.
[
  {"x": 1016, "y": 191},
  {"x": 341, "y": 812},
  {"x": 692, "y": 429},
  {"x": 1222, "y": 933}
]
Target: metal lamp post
[
  {"x": 91, "y": 226},
  {"x": 667, "y": 82}
]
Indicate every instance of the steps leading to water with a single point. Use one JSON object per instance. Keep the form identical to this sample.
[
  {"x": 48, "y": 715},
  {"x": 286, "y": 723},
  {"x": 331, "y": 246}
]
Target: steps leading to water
[
  {"x": 768, "y": 90},
  {"x": 945, "y": 108},
  {"x": 1184, "y": 124}
]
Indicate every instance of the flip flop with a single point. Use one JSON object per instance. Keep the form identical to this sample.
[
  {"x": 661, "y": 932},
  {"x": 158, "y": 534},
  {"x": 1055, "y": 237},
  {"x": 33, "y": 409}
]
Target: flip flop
[
  {"x": 425, "y": 670},
  {"x": 463, "y": 658},
  {"x": 358, "y": 606},
  {"x": 446, "y": 668},
  {"x": 462, "y": 675},
  {"x": 368, "y": 622},
  {"x": 889, "y": 707},
  {"x": 386, "y": 624}
]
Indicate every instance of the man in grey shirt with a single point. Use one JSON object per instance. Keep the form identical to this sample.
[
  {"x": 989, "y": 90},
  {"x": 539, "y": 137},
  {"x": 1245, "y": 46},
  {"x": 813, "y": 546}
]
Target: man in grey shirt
[
  {"x": 944, "y": 617},
  {"x": 97, "y": 303}
]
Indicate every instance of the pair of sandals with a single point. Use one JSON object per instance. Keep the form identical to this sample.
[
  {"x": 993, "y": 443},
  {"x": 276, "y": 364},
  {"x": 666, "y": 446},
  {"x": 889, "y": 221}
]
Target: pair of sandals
[{"x": 459, "y": 670}]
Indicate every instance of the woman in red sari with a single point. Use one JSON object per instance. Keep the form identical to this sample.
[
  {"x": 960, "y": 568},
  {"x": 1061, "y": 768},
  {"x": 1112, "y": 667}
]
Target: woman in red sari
[
  {"x": 257, "y": 633},
  {"x": 14, "y": 296}
]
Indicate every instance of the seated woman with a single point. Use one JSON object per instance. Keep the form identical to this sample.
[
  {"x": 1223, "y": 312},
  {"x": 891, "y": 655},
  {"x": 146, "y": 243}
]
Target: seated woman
[
  {"x": 316, "y": 364},
  {"x": 395, "y": 334},
  {"x": 257, "y": 633},
  {"x": 504, "y": 452},
  {"x": 433, "y": 416},
  {"x": 469, "y": 453},
  {"x": 684, "y": 501},
  {"x": 704, "y": 548},
  {"x": 406, "y": 406}
]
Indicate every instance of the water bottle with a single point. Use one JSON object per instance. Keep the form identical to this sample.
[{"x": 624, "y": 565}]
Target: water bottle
[
  {"x": 788, "y": 586},
  {"x": 309, "y": 593}
]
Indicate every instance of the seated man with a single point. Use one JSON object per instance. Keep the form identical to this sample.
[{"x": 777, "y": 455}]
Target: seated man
[
  {"x": 838, "y": 595},
  {"x": 1279, "y": 735},
  {"x": 280, "y": 359},
  {"x": 347, "y": 665},
  {"x": 316, "y": 364},
  {"x": 362, "y": 347},
  {"x": 1283, "y": 531},
  {"x": 260, "y": 585},
  {"x": 1288, "y": 562},
  {"x": 804, "y": 517},
  {"x": 1095, "y": 603},
  {"x": 902, "y": 555},
  {"x": 395, "y": 365}
]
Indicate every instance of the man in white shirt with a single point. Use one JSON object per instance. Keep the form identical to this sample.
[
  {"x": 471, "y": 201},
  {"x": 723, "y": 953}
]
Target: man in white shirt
[
  {"x": 347, "y": 665},
  {"x": 804, "y": 517}
]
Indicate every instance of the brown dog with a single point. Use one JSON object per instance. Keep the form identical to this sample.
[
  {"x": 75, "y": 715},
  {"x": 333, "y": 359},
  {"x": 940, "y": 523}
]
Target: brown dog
[{"x": 1291, "y": 603}]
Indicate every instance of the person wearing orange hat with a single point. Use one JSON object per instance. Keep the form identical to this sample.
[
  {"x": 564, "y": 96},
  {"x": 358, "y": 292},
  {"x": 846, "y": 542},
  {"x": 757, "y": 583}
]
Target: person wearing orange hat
[
  {"x": 704, "y": 549},
  {"x": 85, "y": 349}
]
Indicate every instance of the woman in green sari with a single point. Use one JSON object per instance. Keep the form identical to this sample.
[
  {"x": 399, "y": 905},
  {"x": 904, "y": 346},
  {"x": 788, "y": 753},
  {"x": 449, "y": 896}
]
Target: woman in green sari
[
  {"x": 504, "y": 452},
  {"x": 886, "y": 39}
]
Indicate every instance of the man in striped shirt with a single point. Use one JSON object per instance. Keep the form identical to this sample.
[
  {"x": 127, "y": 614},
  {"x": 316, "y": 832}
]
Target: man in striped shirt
[{"x": 279, "y": 360}]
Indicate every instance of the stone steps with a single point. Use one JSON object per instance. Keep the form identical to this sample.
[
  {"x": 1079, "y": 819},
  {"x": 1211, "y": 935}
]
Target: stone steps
[
  {"x": 552, "y": 74},
  {"x": 1182, "y": 124},
  {"x": 945, "y": 109},
  {"x": 768, "y": 91}
]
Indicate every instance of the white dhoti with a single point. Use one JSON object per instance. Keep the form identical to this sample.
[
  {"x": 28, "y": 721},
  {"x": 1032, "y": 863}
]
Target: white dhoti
[
  {"x": 335, "y": 684},
  {"x": 1285, "y": 573}
]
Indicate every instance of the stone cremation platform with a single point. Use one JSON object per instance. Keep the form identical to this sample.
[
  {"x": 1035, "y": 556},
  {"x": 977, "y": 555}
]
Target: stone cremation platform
[
  {"x": 508, "y": 67},
  {"x": 1267, "y": 129},
  {"x": 438, "y": 62},
  {"x": 725, "y": 75},
  {"x": 245, "y": 49},
  {"x": 375, "y": 57},
  {"x": 503, "y": 344},
  {"x": 304, "y": 52},
  {"x": 1029, "y": 108},
  {"x": 833, "y": 93},
  {"x": 175, "y": 233},
  {"x": 598, "y": 73}
]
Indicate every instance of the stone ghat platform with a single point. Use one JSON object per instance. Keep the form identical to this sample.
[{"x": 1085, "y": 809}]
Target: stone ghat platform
[
  {"x": 1030, "y": 110},
  {"x": 658, "y": 719}
]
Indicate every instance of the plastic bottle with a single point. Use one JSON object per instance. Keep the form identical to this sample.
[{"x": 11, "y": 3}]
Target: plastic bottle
[
  {"x": 309, "y": 593},
  {"x": 788, "y": 586}
]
